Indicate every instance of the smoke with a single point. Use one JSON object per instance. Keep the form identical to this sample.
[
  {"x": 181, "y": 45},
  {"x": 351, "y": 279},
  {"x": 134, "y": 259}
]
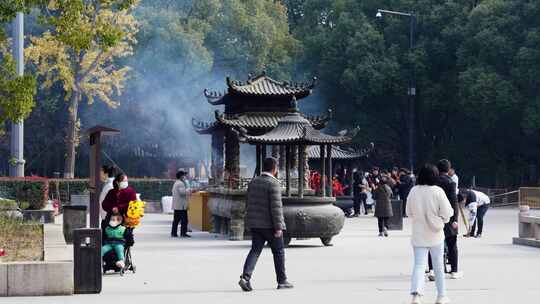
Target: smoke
[{"x": 171, "y": 68}]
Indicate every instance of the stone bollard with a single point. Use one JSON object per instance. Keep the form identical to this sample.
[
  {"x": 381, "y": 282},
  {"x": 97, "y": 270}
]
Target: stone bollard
[
  {"x": 524, "y": 210},
  {"x": 525, "y": 229},
  {"x": 74, "y": 218}
]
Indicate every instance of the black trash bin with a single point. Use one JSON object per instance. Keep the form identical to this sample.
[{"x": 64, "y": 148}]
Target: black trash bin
[
  {"x": 396, "y": 221},
  {"x": 87, "y": 260},
  {"x": 74, "y": 218}
]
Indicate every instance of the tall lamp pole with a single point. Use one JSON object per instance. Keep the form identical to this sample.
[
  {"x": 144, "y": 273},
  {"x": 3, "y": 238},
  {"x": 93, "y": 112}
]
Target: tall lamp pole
[
  {"x": 16, "y": 167},
  {"x": 411, "y": 90}
]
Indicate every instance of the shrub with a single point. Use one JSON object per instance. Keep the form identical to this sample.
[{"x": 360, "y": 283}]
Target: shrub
[
  {"x": 32, "y": 192},
  {"x": 150, "y": 189},
  {"x": 64, "y": 188},
  {"x": 7, "y": 204}
]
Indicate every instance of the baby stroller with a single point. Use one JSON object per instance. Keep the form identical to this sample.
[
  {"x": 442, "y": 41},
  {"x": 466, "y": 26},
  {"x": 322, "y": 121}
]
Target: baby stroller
[{"x": 109, "y": 260}]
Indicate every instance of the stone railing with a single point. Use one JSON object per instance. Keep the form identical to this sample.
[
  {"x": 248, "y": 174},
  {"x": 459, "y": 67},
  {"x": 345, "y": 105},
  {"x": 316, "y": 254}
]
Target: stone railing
[
  {"x": 529, "y": 228},
  {"x": 529, "y": 196}
]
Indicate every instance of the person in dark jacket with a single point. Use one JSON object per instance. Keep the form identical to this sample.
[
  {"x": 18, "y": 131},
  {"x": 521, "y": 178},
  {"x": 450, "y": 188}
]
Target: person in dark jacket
[
  {"x": 406, "y": 183},
  {"x": 264, "y": 218},
  {"x": 451, "y": 228},
  {"x": 360, "y": 187},
  {"x": 383, "y": 206}
]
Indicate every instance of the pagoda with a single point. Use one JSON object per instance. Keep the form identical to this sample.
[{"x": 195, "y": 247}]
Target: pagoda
[
  {"x": 255, "y": 106},
  {"x": 264, "y": 112}
]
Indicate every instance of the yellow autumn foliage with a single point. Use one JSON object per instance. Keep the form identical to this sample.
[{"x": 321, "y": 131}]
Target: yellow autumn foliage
[{"x": 89, "y": 72}]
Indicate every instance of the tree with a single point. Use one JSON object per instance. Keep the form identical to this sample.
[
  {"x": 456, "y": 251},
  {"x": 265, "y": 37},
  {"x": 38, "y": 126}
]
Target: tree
[
  {"x": 80, "y": 51},
  {"x": 16, "y": 92},
  {"x": 499, "y": 63},
  {"x": 184, "y": 47}
]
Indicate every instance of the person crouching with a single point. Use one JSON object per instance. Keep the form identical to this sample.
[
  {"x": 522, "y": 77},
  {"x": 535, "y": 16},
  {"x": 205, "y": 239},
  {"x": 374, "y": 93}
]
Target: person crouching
[{"x": 115, "y": 238}]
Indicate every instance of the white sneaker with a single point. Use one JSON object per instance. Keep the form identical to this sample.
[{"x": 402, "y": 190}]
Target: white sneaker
[
  {"x": 456, "y": 275},
  {"x": 442, "y": 300},
  {"x": 120, "y": 264},
  {"x": 416, "y": 299},
  {"x": 431, "y": 276}
]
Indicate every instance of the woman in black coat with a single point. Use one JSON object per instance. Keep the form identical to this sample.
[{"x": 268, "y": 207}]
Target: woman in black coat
[{"x": 383, "y": 206}]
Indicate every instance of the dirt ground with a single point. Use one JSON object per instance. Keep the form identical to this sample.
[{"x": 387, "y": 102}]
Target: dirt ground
[{"x": 21, "y": 241}]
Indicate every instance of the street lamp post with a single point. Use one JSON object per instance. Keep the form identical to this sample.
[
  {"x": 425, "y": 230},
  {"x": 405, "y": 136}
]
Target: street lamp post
[
  {"x": 16, "y": 167},
  {"x": 411, "y": 90}
]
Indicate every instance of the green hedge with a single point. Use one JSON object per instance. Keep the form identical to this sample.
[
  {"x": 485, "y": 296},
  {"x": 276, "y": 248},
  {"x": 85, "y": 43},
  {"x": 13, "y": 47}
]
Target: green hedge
[
  {"x": 7, "y": 204},
  {"x": 31, "y": 192},
  {"x": 150, "y": 189}
]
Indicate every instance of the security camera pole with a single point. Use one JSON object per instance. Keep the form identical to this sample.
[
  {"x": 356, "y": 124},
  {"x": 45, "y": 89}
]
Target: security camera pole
[{"x": 411, "y": 92}]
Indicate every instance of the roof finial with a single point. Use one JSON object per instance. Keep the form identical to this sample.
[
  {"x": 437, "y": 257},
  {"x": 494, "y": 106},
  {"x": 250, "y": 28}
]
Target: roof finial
[{"x": 294, "y": 104}]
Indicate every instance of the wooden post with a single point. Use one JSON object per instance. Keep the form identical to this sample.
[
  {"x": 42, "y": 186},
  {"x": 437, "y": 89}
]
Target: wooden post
[
  {"x": 330, "y": 169},
  {"x": 288, "y": 171},
  {"x": 300, "y": 171},
  {"x": 95, "y": 182},
  {"x": 282, "y": 158},
  {"x": 217, "y": 157},
  {"x": 349, "y": 177},
  {"x": 95, "y": 134},
  {"x": 323, "y": 171},
  {"x": 232, "y": 160},
  {"x": 258, "y": 167}
]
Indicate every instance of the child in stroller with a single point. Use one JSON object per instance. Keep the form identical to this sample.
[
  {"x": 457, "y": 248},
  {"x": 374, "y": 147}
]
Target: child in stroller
[{"x": 117, "y": 241}]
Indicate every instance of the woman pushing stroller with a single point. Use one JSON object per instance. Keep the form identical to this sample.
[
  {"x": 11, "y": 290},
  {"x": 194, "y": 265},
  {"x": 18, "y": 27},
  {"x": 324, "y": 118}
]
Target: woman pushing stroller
[
  {"x": 123, "y": 214},
  {"x": 118, "y": 198}
]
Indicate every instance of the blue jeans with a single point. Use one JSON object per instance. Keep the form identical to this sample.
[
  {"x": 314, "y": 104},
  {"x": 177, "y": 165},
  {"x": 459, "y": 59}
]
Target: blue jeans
[
  {"x": 481, "y": 212},
  {"x": 420, "y": 263}
]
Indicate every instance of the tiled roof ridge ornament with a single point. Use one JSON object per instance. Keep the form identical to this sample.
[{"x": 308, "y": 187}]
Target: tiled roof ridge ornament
[
  {"x": 213, "y": 97},
  {"x": 198, "y": 124},
  {"x": 219, "y": 117},
  {"x": 294, "y": 104},
  {"x": 241, "y": 133}
]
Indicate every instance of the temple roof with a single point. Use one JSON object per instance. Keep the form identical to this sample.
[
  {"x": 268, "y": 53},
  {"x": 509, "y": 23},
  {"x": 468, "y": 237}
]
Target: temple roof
[
  {"x": 339, "y": 153},
  {"x": 260, "y": 86},
  {"x": 295, "y": 129},
  {"x": 255, "y": 121}
]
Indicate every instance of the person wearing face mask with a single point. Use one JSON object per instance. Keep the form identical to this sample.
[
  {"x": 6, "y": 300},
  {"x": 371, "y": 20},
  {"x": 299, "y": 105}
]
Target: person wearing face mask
[
  {"x": 180, "y": 194},
  {"x": 107, "y": 177},
  {"x": 115, "y": 238},
  {"x": 118, "y": 198}
]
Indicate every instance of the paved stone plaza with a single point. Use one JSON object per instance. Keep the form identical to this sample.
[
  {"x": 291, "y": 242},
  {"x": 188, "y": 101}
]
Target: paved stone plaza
[{"x": 360, "y": 268}]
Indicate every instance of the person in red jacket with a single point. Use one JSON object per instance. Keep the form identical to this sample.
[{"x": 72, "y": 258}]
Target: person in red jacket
[
  {"x": 118, "y": 198},
  {"x": 337, "y": 187}
]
